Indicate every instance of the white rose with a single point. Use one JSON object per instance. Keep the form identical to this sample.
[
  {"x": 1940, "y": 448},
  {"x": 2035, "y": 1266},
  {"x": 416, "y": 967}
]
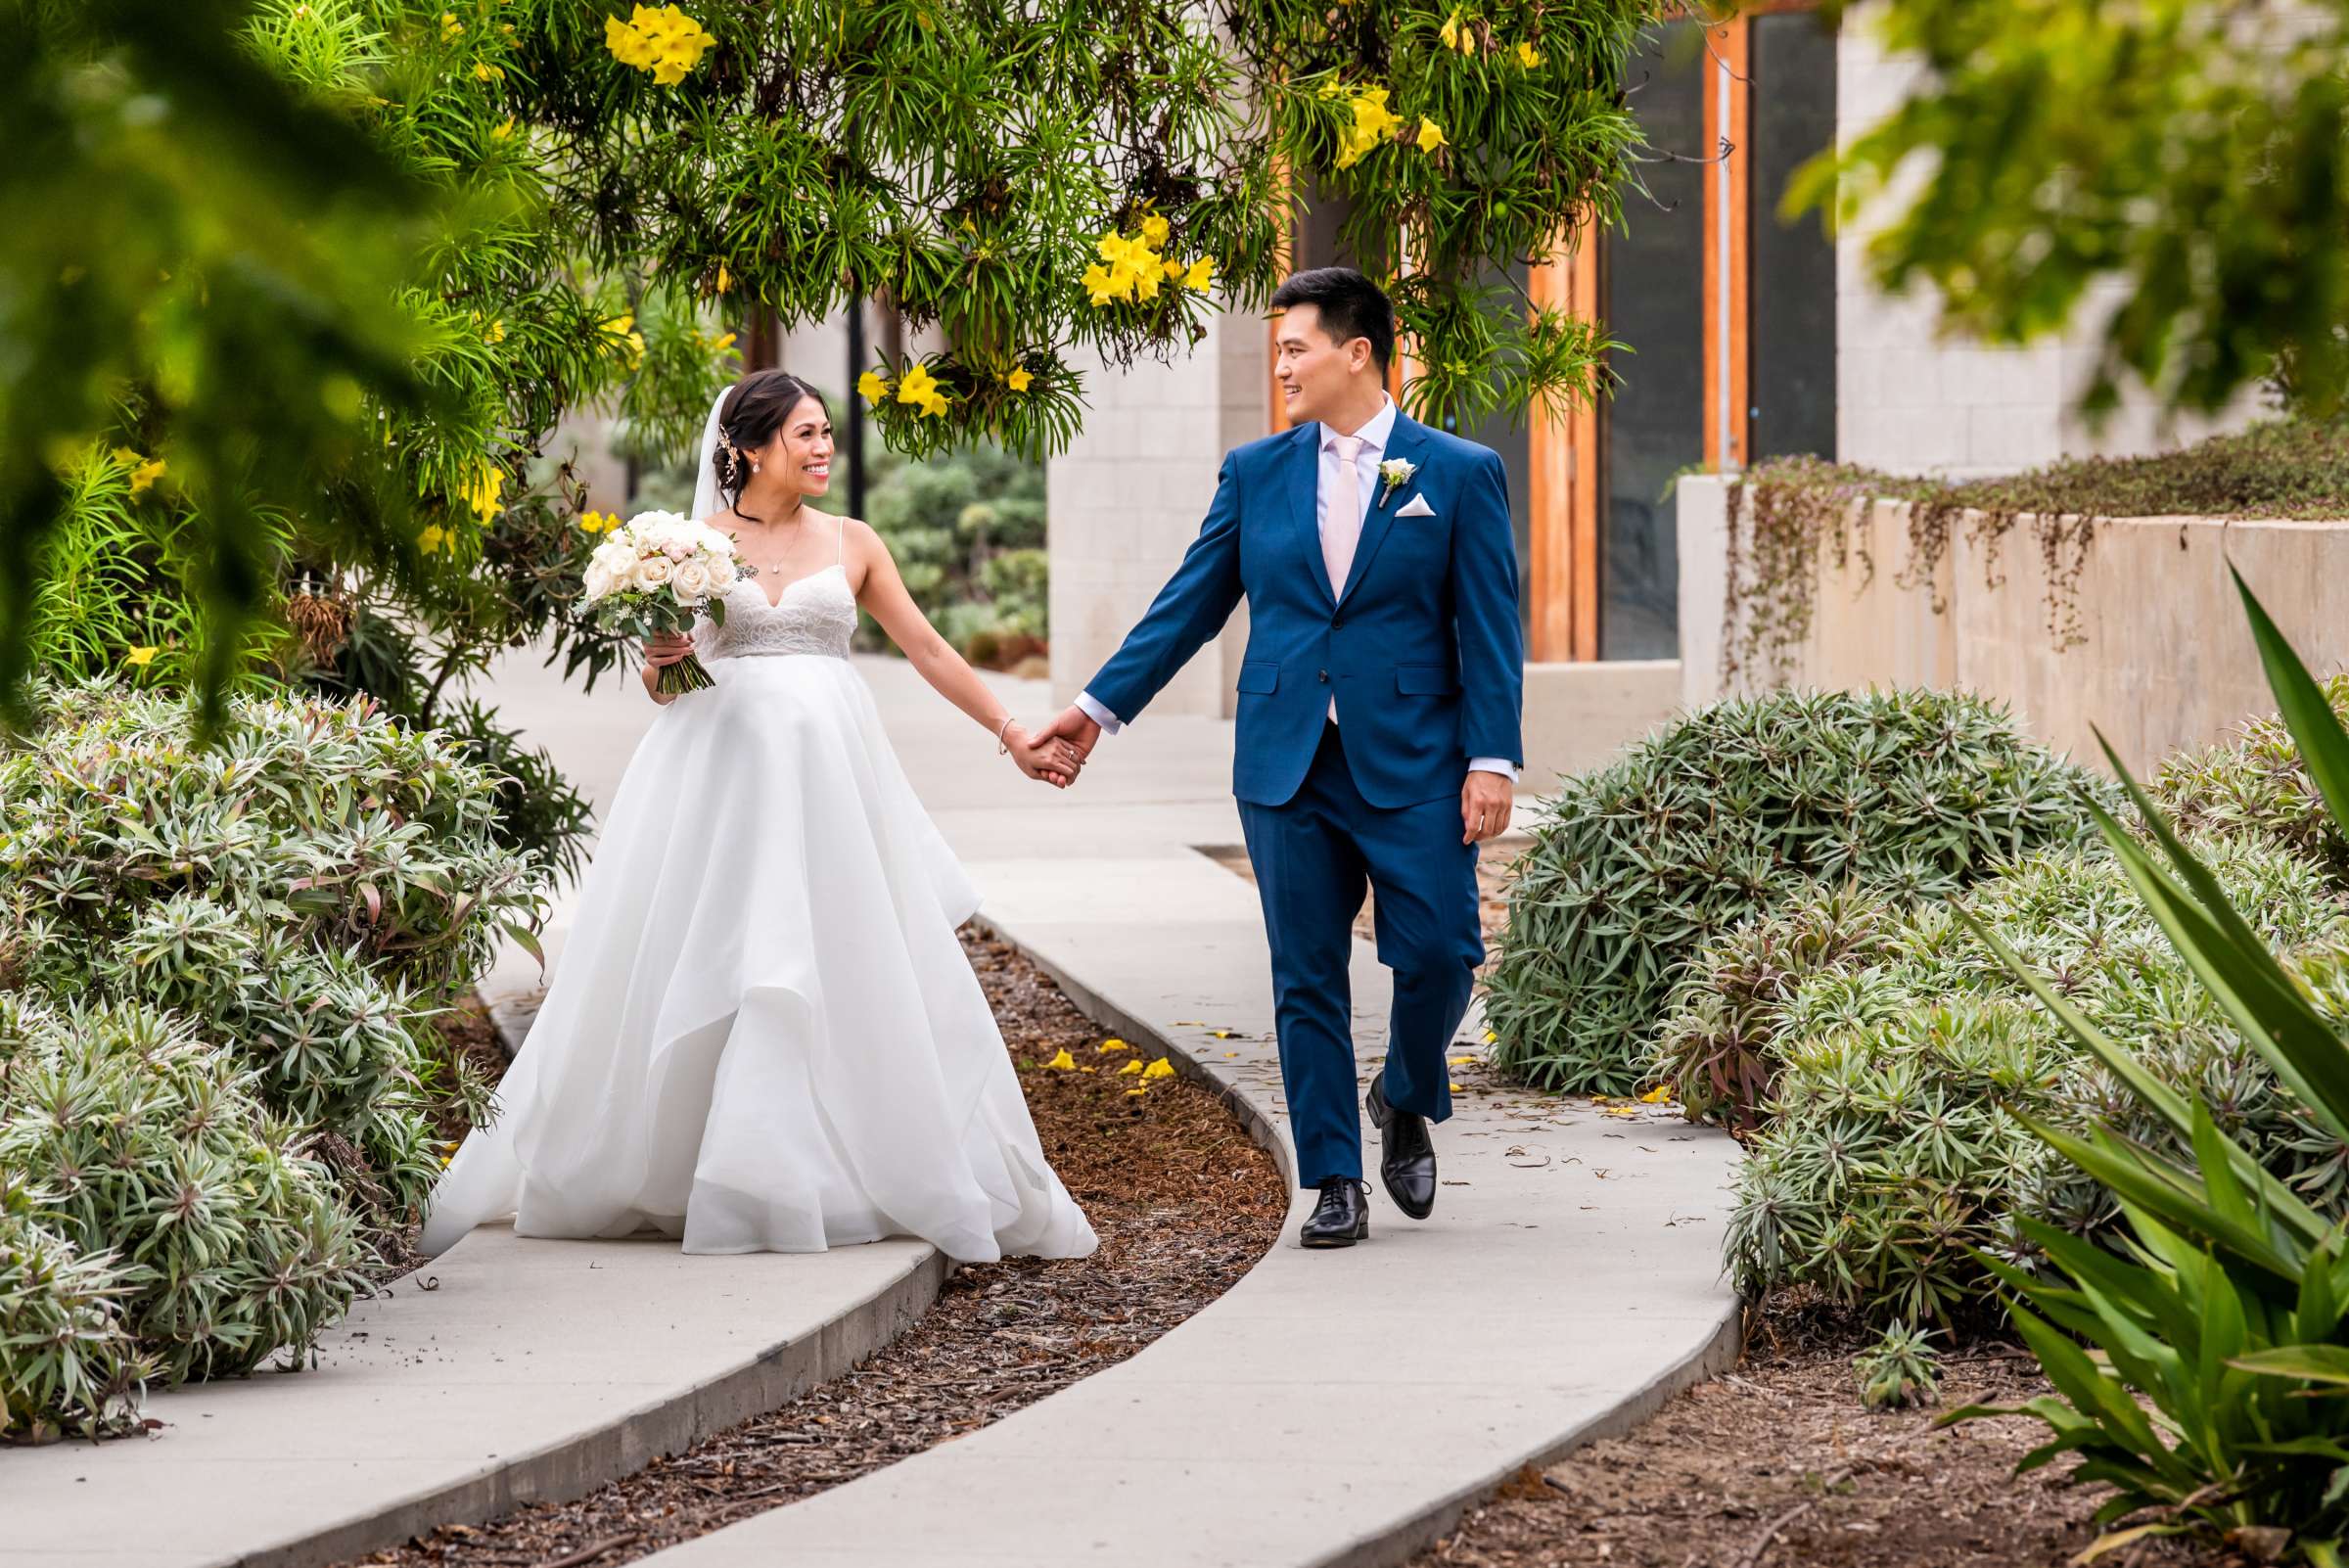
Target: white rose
[
  {"x": 653, "y": 572},
  {"x": 599, "y": 579},
  {"x": 723, "y": 574},
  {"x": 690, "y": 582}
]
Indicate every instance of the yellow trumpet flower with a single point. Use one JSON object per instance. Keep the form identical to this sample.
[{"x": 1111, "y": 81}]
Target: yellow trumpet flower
[
  {"x": 140, "y": 657},
  {"x": 1019, "y": 380},
  {"x": 871, "y": 388}
]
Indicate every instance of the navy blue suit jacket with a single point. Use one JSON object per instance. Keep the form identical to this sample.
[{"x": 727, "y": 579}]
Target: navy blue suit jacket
[{"x": 1423, "y": 648}]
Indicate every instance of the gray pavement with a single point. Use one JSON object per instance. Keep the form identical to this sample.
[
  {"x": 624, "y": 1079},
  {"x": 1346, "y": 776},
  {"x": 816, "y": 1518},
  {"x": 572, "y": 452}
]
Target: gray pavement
[{"x": 1331, "y": 1407}]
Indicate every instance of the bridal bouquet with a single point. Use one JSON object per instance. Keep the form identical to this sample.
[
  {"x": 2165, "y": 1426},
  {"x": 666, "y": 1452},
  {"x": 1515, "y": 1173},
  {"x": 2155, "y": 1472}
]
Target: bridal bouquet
[{"x": 652, "y": 574}]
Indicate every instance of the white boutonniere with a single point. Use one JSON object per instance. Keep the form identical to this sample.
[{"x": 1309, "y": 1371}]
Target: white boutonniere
[{"x": 1395, "y": 473}]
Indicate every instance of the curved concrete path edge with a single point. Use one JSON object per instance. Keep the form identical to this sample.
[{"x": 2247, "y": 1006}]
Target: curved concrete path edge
[
  {"x": 1403, "y": 1539},
  {"x": 1339, "y": 1407},
  {"x": 522, "y": 1372}
]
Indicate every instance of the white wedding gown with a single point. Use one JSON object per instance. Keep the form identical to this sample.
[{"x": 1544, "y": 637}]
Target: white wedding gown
[{"x": 762, "y": 1033}]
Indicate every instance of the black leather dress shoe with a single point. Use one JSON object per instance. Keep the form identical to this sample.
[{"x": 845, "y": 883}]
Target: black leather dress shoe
[
  {"x": 1408, "y": 1155},
  {"x": 1343, "y": 1216}
]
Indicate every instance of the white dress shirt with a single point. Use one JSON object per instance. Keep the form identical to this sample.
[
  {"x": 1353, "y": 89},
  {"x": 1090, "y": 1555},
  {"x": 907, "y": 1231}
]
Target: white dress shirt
[{"x": 1366, "y": 458}]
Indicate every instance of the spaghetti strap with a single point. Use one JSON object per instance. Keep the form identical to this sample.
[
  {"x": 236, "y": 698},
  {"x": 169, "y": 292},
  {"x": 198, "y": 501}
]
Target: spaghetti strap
[{"x": 840, "y": 543}]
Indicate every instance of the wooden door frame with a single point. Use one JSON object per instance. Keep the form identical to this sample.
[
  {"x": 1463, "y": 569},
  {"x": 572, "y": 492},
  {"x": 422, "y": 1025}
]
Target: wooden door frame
[{"x": 1566, "y": 452}]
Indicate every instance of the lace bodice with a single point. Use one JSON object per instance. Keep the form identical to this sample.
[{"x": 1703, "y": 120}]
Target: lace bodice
[{"x": 816, "y": 615}]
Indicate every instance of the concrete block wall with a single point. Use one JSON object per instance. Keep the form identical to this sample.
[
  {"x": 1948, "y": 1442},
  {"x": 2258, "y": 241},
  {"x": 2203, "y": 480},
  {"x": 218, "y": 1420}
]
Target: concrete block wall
[{"x": 1128, "y": 498}]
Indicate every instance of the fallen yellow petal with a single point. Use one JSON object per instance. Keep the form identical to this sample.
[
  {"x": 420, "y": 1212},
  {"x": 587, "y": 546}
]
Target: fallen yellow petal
[
  {"x": 1131, "y": 1093},
  {"x": 1113, "y": 1044},
  {"x": 1063, "y": 1062},
  {"x": 1161, "y": 1068},
  {"x": 1133, "y": 1066},
  {"x": 1454, "y": 1087},
  {"x": 1464, "y": 1061},
  {"x": 1657, "y": 1096}
]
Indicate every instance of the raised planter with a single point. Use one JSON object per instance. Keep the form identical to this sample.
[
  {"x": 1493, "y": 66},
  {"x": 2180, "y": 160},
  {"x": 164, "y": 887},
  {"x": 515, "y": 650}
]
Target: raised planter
[{"x": 2157, "y": 657}]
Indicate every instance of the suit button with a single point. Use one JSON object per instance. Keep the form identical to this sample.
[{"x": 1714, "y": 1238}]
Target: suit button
[
  {"x": 1323, "y": 675},
  {"x": 1336, "y": 621}
]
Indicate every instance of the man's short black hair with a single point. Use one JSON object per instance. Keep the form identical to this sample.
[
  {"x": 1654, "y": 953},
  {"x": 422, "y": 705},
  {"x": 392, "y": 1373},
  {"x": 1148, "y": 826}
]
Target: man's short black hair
[{"x": 1351, "y": 306}]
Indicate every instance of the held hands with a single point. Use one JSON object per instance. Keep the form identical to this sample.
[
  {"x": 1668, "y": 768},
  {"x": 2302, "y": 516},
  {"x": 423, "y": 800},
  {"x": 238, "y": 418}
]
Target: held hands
[
  {"x": 1485, "y": 802},
  {"x": 1043, "y": 756},
  {"x": 1075, "y": 727},
  {"x": 1055, "y": 753}
]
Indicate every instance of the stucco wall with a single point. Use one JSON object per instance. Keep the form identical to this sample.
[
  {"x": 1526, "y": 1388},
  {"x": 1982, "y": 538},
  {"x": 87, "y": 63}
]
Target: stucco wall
[{"x": 2166, "y": 660}]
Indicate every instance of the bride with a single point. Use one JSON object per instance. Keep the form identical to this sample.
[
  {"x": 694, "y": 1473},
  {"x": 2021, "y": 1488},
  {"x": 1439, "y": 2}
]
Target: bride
[{"x": 762, "y": 1033}]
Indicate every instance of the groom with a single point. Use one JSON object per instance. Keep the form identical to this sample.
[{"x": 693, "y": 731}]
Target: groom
[{"x": 1378, "y": 721}]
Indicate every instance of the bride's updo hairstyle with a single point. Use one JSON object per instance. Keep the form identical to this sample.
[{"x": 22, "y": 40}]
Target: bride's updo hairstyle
[{"x": 748, "y": 420}]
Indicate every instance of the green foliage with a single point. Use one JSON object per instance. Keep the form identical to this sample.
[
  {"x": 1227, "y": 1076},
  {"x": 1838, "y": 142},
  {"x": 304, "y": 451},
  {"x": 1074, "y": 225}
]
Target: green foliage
[
  {"x": 165, "y": 1222},
  {"x": 1717, "y": 1045},
  {"x": 1736, "y": 808},
  {"x": 342, "y": 265},
  {"x": 1530, "y": 98},
  {"x": 190, "y": 228},
  {"x": 2225, "y": 1314},
  {"x": 1897, "y": 1051},
  {"x": 2188, "y": 154},
  {"x": 222, "y": 1094},
  {"x": 1902, "y": 1369},
  {"x": 967, "y": 532},
  {"x": 307, "y": 896},
  {"x": 2257, "y": 784},
  {"x": 65, "y": 1355}
]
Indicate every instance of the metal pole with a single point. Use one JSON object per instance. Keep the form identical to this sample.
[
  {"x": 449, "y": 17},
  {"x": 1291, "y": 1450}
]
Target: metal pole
[{"x": 856, "y": 368}]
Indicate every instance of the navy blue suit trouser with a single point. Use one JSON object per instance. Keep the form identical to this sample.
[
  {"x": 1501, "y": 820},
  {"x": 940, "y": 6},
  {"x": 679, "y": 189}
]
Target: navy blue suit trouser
[{"x": 1312, "y": 856}]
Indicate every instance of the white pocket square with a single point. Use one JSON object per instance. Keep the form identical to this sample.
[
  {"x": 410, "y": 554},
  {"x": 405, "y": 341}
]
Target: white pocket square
[{"x": 1416, "y": 506}]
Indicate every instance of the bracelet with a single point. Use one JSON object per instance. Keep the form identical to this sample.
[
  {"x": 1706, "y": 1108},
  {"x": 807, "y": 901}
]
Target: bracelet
[{"x": 1003, "y": 744}]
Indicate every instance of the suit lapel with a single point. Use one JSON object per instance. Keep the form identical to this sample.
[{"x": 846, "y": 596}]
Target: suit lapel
[
  {"x": 1407, "y": 441},
  {"x": 1304, "y": 473}
]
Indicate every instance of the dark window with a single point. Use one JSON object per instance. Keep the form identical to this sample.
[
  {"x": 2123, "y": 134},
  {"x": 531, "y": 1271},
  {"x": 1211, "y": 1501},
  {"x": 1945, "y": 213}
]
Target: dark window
[
  {"x": 1791, "y": 293},
  {"x": 1653, "y": 286}
]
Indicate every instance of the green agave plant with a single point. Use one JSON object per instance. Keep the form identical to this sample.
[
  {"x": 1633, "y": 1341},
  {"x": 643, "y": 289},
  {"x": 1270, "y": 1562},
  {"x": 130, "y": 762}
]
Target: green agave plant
[
  {"x": 2224, "y": 1312},
  {"x": 1738, "y": 807}
]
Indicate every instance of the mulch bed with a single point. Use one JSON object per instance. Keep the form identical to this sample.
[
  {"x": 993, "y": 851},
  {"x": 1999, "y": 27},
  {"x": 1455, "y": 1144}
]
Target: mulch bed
[
  {"x": 1778, "y": 1465},
  {"x": 1183, "y": 1202}
]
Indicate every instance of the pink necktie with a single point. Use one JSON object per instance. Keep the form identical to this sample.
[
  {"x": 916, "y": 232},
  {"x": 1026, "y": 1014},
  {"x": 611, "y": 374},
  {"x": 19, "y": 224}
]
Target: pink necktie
[{"x": 1344, "y": 527}]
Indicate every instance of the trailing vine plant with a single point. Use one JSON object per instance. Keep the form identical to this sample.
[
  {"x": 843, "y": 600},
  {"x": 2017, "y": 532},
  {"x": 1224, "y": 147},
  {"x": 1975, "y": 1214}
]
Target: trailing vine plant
[{"x": 1786, "y": 514}]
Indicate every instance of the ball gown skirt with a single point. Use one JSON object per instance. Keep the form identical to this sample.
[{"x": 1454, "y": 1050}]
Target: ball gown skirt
[{"x": 763, "y": 1033}]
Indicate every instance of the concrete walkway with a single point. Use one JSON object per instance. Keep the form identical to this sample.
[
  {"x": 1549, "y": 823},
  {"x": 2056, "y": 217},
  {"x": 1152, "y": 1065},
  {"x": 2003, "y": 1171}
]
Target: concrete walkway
[
  {"x": 1331, "y": 1407},
  {"x": 529, "y": 1370}
]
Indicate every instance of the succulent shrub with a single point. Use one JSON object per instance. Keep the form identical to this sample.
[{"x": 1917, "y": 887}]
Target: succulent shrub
[
  {"x": 2256, "y": 783},
  {"x": 223, "y": 1091},
  {"x": 157, "y": 1219},
  {"x": 308, "y": 894},
  {"x": 1890, "y": 1149},
  {"x": 1736, "y": 808},
  {"x": 1716, "y": 1044}
]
